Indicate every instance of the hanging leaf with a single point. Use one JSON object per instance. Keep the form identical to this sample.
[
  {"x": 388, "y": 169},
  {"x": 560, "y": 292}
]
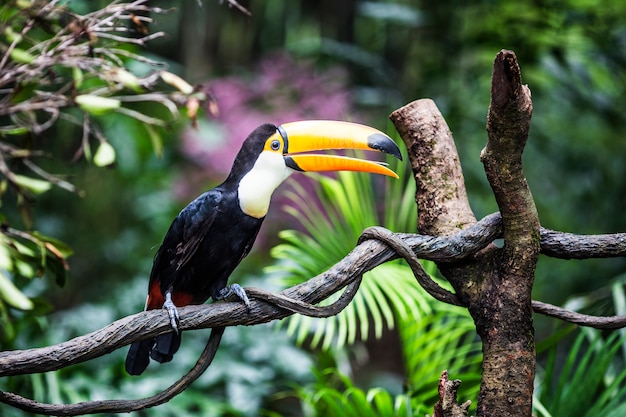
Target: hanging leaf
[
  {"x": 155, "y": 139},
  {"x": 11, "y": 295},
  {"x": 33, "y": 185},
  {"x": 97, "y": 105},
  {"x": 105, "y": 155},
  {"x": 21, "y": 56}
]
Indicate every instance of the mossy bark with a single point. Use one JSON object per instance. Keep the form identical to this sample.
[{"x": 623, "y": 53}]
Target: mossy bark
[{"x": 496, "y": 283}]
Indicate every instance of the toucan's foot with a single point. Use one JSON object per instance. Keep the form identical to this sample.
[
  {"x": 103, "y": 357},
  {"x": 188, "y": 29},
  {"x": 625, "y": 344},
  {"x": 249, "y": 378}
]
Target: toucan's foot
[
  {"x": 235, "y": 289},
  {"x": 172, "y": 311}
]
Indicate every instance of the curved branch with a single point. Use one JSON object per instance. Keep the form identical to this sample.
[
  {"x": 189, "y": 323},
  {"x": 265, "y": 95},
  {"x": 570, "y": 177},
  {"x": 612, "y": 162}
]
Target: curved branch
[
  {"x": 125, "y": 406},
  {"x": 363, "y": 258},
  {"x": 265, "y": 306},
  {"x": 121, "y": 406},
  {"x": 366, "y": 256},
  {"x": 571, "y": 246},
  {"x": 404, "y": 250},
  {"x": 605, "y": 323}
]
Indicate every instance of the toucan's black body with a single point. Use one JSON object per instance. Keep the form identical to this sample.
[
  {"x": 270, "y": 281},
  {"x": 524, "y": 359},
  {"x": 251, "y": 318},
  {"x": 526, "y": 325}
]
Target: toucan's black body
[
  {"x": 211, "y": 236},
  {"x": 199, "y": 268},
  {"x": 204, "y": 244}
]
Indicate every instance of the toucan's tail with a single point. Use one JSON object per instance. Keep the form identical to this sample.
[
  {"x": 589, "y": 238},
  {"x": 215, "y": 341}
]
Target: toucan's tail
[
  {"x": 138, "y": 356},
  {"x": 166, "y": 346},
  {"x": 161, "y": 349}
]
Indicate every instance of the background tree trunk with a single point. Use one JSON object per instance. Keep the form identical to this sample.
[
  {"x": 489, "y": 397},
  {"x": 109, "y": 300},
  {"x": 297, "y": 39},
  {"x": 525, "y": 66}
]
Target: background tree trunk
[{"x": 497, "y": 283}]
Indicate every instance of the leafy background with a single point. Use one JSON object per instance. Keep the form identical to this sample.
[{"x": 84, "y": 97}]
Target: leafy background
[{"x": 356, "y": 60}]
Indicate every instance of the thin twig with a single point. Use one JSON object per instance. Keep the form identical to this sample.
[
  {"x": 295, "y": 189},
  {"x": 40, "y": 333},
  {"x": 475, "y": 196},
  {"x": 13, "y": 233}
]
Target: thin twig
[
  {"x": 403, "y": 250},
  {"x": 604, "y": 323},
  {"x": 49, "y": 177}
]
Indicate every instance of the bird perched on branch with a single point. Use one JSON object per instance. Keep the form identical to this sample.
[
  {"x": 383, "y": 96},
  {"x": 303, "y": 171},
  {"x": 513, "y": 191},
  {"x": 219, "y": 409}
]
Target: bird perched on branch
[{"x": 210, "y": 236}]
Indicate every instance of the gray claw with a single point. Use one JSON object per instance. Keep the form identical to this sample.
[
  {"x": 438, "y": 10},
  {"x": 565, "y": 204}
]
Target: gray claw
[
  {"x": 237, "y": 290},
  {"x": 172, "y": 311}
]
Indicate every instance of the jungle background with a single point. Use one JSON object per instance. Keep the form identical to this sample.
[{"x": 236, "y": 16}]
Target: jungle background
[{"x": 349, "y": 60}]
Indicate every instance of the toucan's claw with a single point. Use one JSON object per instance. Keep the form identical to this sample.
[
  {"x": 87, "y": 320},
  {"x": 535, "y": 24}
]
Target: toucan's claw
[
  {"x": 234, "y": 289},
  {"x": 172, "y": 311}
]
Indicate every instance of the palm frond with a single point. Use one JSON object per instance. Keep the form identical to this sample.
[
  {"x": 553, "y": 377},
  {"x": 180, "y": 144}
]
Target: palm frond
[
  {"x": 589, "y": 381},
  {"x": 443, "y": 340},
  {"x": 351, "y": 202},
  {"x": 334, "y": 394}
]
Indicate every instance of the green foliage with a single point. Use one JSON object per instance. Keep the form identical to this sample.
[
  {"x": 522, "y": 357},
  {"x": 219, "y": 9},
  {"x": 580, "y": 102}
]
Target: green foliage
[
  {"x": 350, "y": 204},
  {"x": 445, "y": 339},
  {"x": 334, "y": 394},
  {"x": 589, "y": 381},
  {"x": 23, "y": 257},
  {"x": 68, "y": 75}
]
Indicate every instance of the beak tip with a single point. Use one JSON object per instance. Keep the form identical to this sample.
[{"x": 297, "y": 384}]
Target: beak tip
[{"x": 383, "y": 143}]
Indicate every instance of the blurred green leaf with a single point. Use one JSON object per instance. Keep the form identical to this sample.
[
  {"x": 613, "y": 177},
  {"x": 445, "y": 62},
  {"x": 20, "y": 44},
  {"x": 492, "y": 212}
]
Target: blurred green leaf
[
  {"x": 105, "y": 155},
  {"x": 11, "y": 295},
  {"x": 334, "y": 394},
  {"x": 32, "y": 184},
  {"x": 97, "y": 105},
  {"x": 21, "y": 56},
  {"x": 155, "y": 139},
  {"x": 584, "y": 382}
]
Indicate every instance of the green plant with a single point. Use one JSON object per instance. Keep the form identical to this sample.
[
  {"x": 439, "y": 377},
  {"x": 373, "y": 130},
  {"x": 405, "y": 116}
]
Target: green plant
[
  {"x": 433, "y": 336},
  {"x": 350, "y": 204},
  {"x": 334, "y": 394},
  {"x": 590, "y": 378},
  {"x": 66, "y": 77},
  {"x": 444, "y": 340}
]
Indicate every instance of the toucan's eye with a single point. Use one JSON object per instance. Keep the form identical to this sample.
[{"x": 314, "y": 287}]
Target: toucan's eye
[{"x": 275, "y": 145}]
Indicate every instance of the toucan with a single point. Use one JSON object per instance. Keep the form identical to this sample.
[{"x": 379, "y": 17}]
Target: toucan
[{"x": 211, "y": 236}]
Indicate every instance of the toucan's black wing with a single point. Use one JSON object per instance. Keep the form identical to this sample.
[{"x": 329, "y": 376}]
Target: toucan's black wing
[
  {"x": 184, "y": 237},
  {"x": 199, "y": 216}
]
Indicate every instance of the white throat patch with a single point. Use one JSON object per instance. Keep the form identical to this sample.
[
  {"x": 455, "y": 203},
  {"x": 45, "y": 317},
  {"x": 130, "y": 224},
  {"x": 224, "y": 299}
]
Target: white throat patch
[{"x": 256, "y": 187}]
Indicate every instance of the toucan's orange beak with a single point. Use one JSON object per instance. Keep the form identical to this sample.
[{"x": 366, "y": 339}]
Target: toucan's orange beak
[{"x": 314, "y": 135}]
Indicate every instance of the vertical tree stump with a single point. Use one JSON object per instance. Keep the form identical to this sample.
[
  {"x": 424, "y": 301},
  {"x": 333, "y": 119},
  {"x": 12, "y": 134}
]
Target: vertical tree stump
[{"x": 496, "y": 283}]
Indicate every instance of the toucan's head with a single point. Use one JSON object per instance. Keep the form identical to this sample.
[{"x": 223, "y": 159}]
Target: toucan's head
[{"x": 270, "y": 154}]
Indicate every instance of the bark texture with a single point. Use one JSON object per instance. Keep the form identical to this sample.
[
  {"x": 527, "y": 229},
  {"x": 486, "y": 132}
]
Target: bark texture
[
  {"x": 504, "y": 315},
  {"x": 495, "y": 283},
  {"x": 443, "y": 208}
]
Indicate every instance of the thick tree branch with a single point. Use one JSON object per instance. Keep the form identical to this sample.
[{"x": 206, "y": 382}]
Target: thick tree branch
[
  {"x": 508, "y": 123},
  {"x": 363, "y": 258},
  {"x": 495, "y": 283},
  {"x": 570, "y": 246},
  {"x": 366, "y": 256},
  {"x": 265, "y": 307},
  {"x": 443, "y": 207},
  {"x": 503, "y": 312},
  {"x": 440, "y": 249}
]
